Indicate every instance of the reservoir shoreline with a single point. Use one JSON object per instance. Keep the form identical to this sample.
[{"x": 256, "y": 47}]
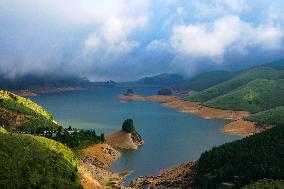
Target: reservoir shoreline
[{"x": 238, "y": 126}]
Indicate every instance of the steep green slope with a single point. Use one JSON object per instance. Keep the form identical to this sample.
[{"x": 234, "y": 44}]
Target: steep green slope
[
  {"x": 237, "y": 81},
  {"x": 17, "y": 112},
  {"x": 204, "y": 80},
  {"x": 256, "y": 96},
  {"x": 244, "y": 161},
  {"x": 22, "y": 104},
  {"x": 36, "y": 162},
  {"x": 273, "y": 116}
]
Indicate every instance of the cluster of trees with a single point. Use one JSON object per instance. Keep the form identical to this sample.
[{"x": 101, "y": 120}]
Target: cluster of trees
[
  {"x": 37, "y": 125},
  {"x": 128, "y": 126},
  {"x": 76, "y": 138},
  {"x": 243, "y": 161}
]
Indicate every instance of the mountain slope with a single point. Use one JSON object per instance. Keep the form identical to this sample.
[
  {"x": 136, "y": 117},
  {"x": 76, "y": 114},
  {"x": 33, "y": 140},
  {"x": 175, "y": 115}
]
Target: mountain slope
[
  {"x": 204, "y": 80},
  {"x": 273, "y": 116},
  {"x": 243, "y": 161},
  {"x": 36, "y": 162},
  {"x": 237, "y": 81},
  {"x": 161, "y": 80},
  {"x": 278, "y": 64},
  {"x": 19, "y": 112},
  {"x": 256, "y": 96}
]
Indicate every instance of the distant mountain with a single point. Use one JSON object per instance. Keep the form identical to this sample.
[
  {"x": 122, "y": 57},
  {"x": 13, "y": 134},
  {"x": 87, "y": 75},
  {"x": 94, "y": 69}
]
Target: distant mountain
[
  {"x": 161, "y": 80},
  {"x": 40, "y": 81},
  {"x": 204, "y": 80},
  {"x": 240, "y": 79},
  {"x": 209, "y": 79},
  {"x": 255, "y": 96},
  {"x": 278, "y": 64}
]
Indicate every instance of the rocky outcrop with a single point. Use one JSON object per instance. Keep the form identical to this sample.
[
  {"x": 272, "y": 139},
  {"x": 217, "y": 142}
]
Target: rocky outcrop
[
  {"x": 124, "y": 140},
  {"x": 93, "y": 168},
  {"x": 180, "y": 177}
]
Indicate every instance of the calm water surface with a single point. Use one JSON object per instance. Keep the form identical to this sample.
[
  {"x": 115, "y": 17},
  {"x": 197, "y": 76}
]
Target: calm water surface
[{"x": 170, "y": 137}]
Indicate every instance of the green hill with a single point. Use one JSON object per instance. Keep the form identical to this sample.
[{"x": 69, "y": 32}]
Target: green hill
[
  {"x": 204, "y": 80},
  {"x": 273, "y": 116},
  {"x": 256, "y": 96},
  {"x": 243, "y": 161},
  {"x": 36, "y": 162},
  {"x": 237, "y": 81},
  {"x": 19, "y": 112},
  {"x": 161, "y": 80}
]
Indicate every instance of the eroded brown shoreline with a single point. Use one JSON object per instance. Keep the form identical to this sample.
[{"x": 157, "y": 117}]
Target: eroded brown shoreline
[
  {"x": 238, "y": 126},
  {"x": 94, "y": 164}
]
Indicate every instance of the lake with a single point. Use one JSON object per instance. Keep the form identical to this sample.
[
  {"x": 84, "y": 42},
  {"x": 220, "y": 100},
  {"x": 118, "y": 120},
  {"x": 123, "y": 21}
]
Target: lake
[{"x": 170, "y": 137}]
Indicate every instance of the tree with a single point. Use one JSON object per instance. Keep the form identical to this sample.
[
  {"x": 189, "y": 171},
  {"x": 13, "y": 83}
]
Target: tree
[
  {"x": 103, "y": 138},
  {"x": 128, "y": 126}
]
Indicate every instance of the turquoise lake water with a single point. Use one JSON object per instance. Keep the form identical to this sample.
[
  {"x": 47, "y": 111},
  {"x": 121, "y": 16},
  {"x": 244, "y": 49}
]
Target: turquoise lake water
[{"x": 170, "y": 137}]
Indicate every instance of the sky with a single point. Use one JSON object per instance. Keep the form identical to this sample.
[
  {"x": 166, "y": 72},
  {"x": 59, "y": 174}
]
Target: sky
[{"x": 128, "y": 39}]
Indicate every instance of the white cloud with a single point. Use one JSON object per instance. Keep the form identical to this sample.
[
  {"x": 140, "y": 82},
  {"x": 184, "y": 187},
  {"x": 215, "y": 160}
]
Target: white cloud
[
  {"x": 92, "y": 42},
  {"x": 211, "y": 40},
  {"x": 219, "y": 7}
]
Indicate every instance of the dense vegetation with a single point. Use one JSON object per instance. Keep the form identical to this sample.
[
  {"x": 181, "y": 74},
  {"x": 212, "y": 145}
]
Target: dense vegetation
[
  {"x": 34, "y": 118},
  {"x": 128, "y": 126},
  {"x": 255, "y": 96},
  {"x": 22, "y": 105},
  {"x": 266, "y": 184},
  {"x": 204, "y": 80},
  {"x": 36, "y": 162},
  {"x": 273, "y": 116},
  {"x": 243, "y": 161},
  {"x": 77, "y": 139},
  {"x": 237, "y": 81},
  {"x": 37, "y": 125}
]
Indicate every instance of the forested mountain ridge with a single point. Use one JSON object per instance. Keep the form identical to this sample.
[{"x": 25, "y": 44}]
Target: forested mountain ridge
[
  {"x": 255, "y": 96},
  {"x": 237, "y": 81}
]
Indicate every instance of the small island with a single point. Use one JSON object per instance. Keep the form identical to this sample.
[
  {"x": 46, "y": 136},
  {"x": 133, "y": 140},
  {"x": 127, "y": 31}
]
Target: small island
[{"x": 127, "y": 138}]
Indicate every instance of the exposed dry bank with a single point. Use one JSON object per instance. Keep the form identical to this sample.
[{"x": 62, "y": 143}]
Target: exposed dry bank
[
  {"x": 93, "y": 167},
  {"x": 237, "y": 127}
]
